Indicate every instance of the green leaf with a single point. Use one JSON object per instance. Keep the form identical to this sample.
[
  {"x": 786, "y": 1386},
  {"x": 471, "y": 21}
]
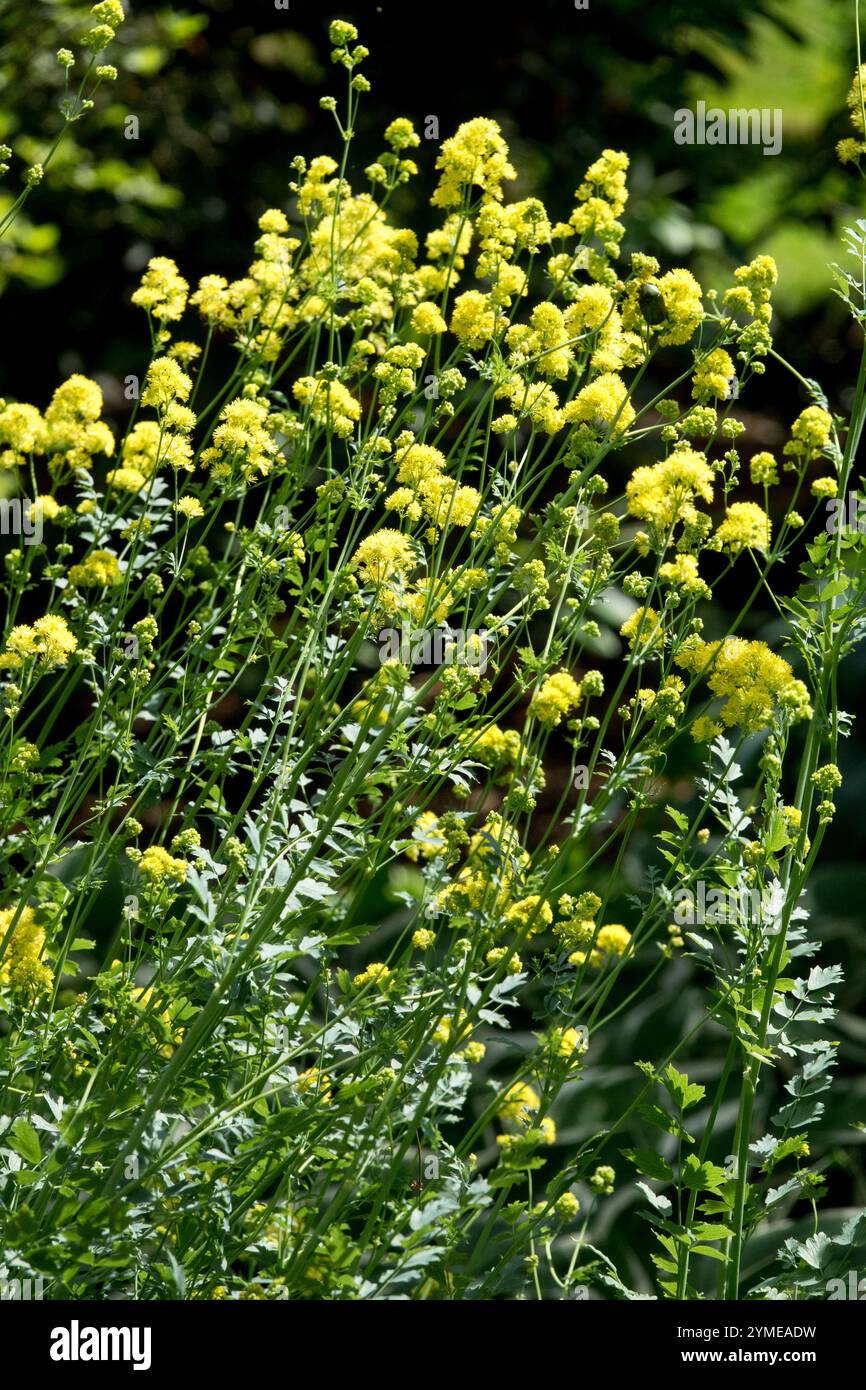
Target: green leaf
[
  {"x": 651, "y": 1164},
  {"x": 702, "y": 1177},
  {"x": 683, "y": 1091},
  {"x": 25, "y": 1141}
]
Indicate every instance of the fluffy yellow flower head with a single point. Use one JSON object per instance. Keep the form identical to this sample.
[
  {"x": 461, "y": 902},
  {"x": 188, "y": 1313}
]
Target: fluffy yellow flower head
[
  {"x": 49, "y": 641},
  {"x": 157, "y": 865},
  {"x": 427, "y": 320},
  {"x": 751, "y": 679},
  {"x": 384, "y": 553},
  {"x": 810, "y": 433},
  {"x": 713, "y": 376},
  {"x": 683, "y": 307},
  {"x": 475, "y": 157},
  {"x": 163, "y": 290},
  {"x": 165, "y": 383},
  {"x": 603, "y": 405},
  {"x": 99, "y": 570},
  {"x": 556, "y": 697},
  {"x": 643, "y": 629},
  {"x": 746, "y": 527},
  {"x": 242, "y": 442},
  {"x": 519, "y": 1102},
  {"x": 665, "y": 492},
  {"x": 329, "y": 404},
  {"x": 473, "y": 321},
  {"x": 21, "y": 968},
  {"x": 682, "y": 573}
]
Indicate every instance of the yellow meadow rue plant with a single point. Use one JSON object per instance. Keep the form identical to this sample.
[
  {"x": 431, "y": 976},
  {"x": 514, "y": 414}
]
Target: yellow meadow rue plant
[{"x": 325, "y": 614}]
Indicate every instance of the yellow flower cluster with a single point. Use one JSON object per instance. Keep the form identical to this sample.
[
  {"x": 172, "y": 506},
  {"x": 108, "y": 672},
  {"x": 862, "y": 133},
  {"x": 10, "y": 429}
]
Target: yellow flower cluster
[
  {"x": 426, "y": 490},
  {"x": 243, "y": 444},
  {"x": 495, "y": 747},
  {"x": 602, "y": 405},
  {"x": 746, "y": 527},
  {"x": 613, "y": 940},
  {"x": 752, "y": 680},
  {"x": 682, "y": 574},
  {"x": 810, "y": 434},
  {"x": 70, "y": 434},
  {"x": 555, "y": 698},
  {"x": 384, "y": 554},
  {"x": 163, "y": 291},
  {"x": 98, "y": 571},
  {"x": 157, "y": 865},
  {"x": 475, "y": 157},
  {"x": 713, "y": 376},
  {"x": 22, "y": 968},
  {"x": 49, "y": 643},
  {"x": 664, "y": 493},
  {"x": 329, "y": 403},
  {"x": 850, "y": 149}
]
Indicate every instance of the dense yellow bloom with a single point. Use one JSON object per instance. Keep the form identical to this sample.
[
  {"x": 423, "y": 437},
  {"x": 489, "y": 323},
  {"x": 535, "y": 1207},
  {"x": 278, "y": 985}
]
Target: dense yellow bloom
[
  {"x": 165, "y": 383},
  {"x": 713, "y": 376},
  {"x": 23, "y": 430},
  {"x": 683, "y": 307},
  {"x": 447, "y": 504},
  {"x": 603, "y": 405},
  {"x": 99, "y": 570},
  {"x": 476, "y": 156},
  {"x": 810, "y": 433},
  {"x": 140, "y": 448},
  {"x": 682, "y": 573},
  {"x": 556, "y": 697},
  {"x": 108, "y": 12},
  {"x": 495, "y": 747},
  {"x": 48, "y": 641},
  {"x": 851, "y": 149},
  {"x": 329, "y": 404},
  {"x": 163, "y": 290},
  {"x": 565, "y": 1042},
  {"x": 746, "y": 527},
  {"x": 384, "y": 553},
  {"x": 242, "y": 442},
  {"x": 157, "y": 865},
  {"x": 374, "y": 260},
  {"x": 542, "y": 341},
  {"x": 613, "y": 940},
  {"x": 74, "y": 431},
  {"x": 535, "y": 399},
  {"x": 751, "y": 679},
  {"x": 21, "y": 967},
  {"x": 314, "y": 1082},
  {"x": 606, "y": 179},
  {"x": 822, "y": 488},
  {"x": 567, "y": 1206},
  {"x": 46, "y": 506},
  {"x": 473, "y": 320},
  {"x": 426, "y": 319},
  {"x": 529, "y": 915},
  {"x": 665, "y": 492},
  {"x": 763, "y": 469},
  {"x": 189, "y": 507},
  {"x": 376, "y": 973},
  {"x": 642, "y": 629},
  {"x": 125, "y": 479},
  {"x": 518, "y": 1102}
]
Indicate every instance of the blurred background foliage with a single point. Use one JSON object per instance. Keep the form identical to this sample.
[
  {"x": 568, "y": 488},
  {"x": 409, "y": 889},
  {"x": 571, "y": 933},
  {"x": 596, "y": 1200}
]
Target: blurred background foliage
[{"x": 225, "y": 94}]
